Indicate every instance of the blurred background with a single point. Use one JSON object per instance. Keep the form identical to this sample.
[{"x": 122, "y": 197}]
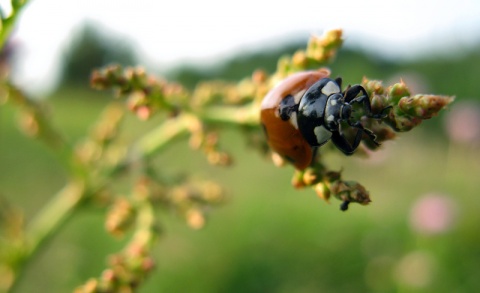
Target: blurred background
[{"x": 420, "y": 234}]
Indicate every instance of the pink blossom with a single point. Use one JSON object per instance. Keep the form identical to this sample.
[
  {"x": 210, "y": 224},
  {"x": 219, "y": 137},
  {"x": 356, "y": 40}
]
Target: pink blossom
[
  {"x": 433, "y": 214},
  {"x": 463, "y": 123}
]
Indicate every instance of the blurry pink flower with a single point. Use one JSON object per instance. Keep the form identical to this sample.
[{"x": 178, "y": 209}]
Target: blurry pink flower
[
  {"x": 433, "y": 214},
  {"x": 463, "y": 123}
]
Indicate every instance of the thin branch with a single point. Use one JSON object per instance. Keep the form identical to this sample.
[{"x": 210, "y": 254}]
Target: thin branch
[
  {"x": 49, "y": 220},
  {"x": 163, "y": 135},
  {"x": 8, "y": 23}
]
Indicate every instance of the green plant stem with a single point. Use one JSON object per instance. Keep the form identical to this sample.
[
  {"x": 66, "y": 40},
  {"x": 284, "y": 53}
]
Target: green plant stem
[
  {"x": 54, "y": 214},
  {"x": 234, "y": 115},
  {"x": 49, "y": 220},
  {"x": 177, "y": 127},
  {"x": 145, "y": 224},
  {"x": 160, "y": 137},
  {"x": 9, "y": 23}
]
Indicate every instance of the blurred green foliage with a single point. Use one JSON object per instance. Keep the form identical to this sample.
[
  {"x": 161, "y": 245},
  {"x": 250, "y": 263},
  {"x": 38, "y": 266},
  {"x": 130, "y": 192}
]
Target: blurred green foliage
[{"x": 92, "y": 48}]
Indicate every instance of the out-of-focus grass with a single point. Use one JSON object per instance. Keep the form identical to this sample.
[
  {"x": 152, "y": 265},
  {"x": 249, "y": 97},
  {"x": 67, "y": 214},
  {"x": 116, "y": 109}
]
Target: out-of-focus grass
[{"x": 268, "y": 237}]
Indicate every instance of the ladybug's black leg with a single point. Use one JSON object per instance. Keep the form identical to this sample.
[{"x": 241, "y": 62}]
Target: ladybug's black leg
[
  {"x": 351, "y": 98},
  {"x": 314, "y": 156},
  {"x": 342, "y": 143},
  {"x": 365, "y": 101},
  {"x": 351, "y": 94},
  {"x": 362, "y": 130}
]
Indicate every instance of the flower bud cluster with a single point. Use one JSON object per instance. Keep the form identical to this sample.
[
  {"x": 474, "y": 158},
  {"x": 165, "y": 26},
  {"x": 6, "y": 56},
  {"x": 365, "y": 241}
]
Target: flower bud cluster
[
  {"x": 193, "y": 199},
  {"x": 208, "y": 142},
  {"x": 320, "y": 50},
  {"x": 145, "y": 93},
  {"x": 190, "y": 199},
  {"x": 407, "y": 111},
  {"x": 223, "y": 93},
  {"x": 120, "y": 217},
  {"x": 127, "y": 270},
  {"x": 323, "y": 48},
  {"x": 99, "y": 151},
  {"x": 328, "y": 183}
]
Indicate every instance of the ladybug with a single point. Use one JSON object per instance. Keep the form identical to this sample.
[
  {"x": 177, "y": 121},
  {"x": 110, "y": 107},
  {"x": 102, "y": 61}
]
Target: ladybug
[{"x": 307, "y": 109}]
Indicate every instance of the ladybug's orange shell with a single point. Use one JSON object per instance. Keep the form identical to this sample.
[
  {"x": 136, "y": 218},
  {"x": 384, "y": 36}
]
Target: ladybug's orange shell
[{"x": 283, "y": 137}]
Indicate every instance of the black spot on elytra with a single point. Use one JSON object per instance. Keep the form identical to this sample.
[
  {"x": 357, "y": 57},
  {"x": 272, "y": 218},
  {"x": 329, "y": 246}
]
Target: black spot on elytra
[{"x": 287, "y": 107}]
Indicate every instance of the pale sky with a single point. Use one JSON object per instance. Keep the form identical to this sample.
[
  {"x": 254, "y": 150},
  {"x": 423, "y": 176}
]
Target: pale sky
[{"x": 166, "y": 32}]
